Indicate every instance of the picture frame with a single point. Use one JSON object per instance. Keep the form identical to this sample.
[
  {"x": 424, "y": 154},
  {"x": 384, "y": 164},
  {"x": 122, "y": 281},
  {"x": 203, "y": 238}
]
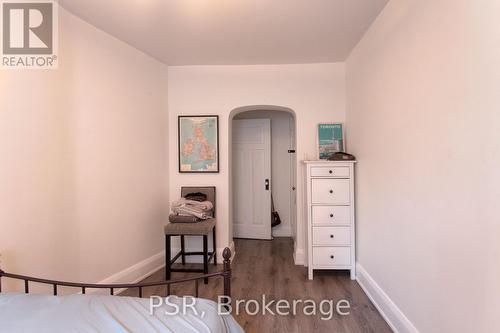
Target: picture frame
[
  {"x": 330, "y": 139},
  {"x": 198, "y": 143}
]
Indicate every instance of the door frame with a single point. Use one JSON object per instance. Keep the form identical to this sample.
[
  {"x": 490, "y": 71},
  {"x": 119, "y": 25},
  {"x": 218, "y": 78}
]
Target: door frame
[{"x": 295, "y": 208}]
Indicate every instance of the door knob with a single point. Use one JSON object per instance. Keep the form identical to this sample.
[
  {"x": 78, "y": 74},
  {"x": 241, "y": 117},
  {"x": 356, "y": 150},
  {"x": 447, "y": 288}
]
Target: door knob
[
  {"x": 267, "y": 184},
  {"x": 331, "y": 191}
]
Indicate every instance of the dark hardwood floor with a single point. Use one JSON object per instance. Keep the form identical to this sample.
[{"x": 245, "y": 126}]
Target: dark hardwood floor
[{"x": 266, "y": 267}]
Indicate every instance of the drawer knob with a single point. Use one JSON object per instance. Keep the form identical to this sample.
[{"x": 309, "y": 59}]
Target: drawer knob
[
  {"x": 331, "y": 236},
  {"x": 331, "y": 257},
  {"x": 331, "y": 215},
  {"x": 331, "y": 191},
  {"x": 331, "y": 171}
]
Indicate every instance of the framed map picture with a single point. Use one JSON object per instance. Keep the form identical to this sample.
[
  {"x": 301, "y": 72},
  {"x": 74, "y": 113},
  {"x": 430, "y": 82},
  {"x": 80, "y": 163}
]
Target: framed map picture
[
  {"x": 330, "y": 140},
  {"x": 199, "y": 144}
]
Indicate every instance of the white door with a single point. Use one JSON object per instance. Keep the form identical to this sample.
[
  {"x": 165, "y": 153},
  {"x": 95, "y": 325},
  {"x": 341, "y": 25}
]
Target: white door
[{"x": 252, "y": 178}]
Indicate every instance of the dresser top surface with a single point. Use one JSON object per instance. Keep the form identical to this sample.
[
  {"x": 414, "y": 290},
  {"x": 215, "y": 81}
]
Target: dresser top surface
[{"x": 323, "y": 162}]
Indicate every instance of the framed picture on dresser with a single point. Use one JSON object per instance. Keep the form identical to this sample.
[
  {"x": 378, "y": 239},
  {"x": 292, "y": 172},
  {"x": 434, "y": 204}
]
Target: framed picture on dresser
[
  {"x": 198, "y": 144},
  {"x": 330, "y": 139}
]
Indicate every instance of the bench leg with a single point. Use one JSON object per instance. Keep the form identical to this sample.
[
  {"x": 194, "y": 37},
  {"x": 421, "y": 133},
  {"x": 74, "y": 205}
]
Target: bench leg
[
  {"x": 215, "y": 247},
  {"x": 205, "y": 257},
  {"x": 168, "y": 257},
  {"x": 183, "y": 250}
]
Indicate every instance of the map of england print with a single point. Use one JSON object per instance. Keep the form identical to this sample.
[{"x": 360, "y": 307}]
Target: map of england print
[{"x": 198, "y": 144}]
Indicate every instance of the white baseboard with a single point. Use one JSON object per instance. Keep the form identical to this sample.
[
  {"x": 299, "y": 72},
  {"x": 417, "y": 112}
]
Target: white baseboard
[
  {"x": 387, "y": 308},
  {"x": 145, "y": 268},
  {"x": 299, "y": 257},
  {"x": 137, "y": 272}
]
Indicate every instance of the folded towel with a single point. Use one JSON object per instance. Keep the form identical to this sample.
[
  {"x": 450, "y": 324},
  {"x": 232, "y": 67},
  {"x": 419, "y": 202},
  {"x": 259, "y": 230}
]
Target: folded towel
[
  {"x": 202, "y": 206},
  {"x": 192, "y": 211},
  {"x": 183, "y": 219}
]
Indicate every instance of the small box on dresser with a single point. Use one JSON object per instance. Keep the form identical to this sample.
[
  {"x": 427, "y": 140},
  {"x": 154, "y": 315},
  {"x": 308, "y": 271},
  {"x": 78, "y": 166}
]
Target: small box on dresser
[{"x": 331, "y": 238}]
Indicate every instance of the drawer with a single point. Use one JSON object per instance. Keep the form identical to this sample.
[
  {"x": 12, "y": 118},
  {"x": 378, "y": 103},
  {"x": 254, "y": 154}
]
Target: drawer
[
  {"x": 330, "y": 191},
  {"x": 331, "y": 256},
  {"x": 342, "y": 172},
  {"x": 331, "y": 215},
  {"x": 331, "y": 235}
]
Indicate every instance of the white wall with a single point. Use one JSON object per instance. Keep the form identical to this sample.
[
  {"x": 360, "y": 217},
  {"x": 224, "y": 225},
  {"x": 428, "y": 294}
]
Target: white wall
[
  {"x": 281, "y": 171},
  {"x": 424, "y": 122},
  {"x": 83, "y": 160},
  {"x": 316, "y": 93}
]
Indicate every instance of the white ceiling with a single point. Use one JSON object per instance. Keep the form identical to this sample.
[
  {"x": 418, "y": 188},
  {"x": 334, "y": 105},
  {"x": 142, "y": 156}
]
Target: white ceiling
[{"x": 227, "y": 32}]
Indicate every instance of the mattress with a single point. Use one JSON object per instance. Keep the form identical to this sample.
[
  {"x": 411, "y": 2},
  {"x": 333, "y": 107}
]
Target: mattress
[{"x": 96, "y": 313}]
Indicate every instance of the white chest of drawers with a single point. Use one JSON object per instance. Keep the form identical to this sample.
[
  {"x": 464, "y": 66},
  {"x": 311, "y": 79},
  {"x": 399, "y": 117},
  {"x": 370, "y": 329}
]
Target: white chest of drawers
[{"x": 330, "y": 216}]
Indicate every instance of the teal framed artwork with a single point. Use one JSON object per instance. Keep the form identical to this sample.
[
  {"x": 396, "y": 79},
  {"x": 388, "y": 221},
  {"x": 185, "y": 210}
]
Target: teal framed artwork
[
  {"x": 330, "y": 139},
  {"x": 198, "y": 144}
]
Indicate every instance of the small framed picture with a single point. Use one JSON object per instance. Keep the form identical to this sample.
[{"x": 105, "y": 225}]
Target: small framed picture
[
  {"x": 331, "y": 140},
  {"x": 198, "y": 144}
]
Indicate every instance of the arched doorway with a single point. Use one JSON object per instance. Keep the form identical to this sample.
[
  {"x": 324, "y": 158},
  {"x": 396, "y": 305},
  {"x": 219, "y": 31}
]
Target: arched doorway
[{"x": 244, "y": 201}]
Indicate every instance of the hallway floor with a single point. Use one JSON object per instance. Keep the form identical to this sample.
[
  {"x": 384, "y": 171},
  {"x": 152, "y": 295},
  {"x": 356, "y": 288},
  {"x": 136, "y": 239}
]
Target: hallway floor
[{"x": 266, "y": 267}]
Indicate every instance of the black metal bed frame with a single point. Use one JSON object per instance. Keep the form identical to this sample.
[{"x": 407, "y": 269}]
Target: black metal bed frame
[{"x": 225, "y": 273}]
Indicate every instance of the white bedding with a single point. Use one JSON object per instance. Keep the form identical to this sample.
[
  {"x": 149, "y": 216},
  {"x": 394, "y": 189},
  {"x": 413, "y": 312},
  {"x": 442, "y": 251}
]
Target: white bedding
[{"x": 95, "y": 313}]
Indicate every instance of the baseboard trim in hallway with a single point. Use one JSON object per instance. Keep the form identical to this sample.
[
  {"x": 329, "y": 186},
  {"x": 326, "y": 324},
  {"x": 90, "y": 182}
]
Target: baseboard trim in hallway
[{"x": 392, "y": 314}]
